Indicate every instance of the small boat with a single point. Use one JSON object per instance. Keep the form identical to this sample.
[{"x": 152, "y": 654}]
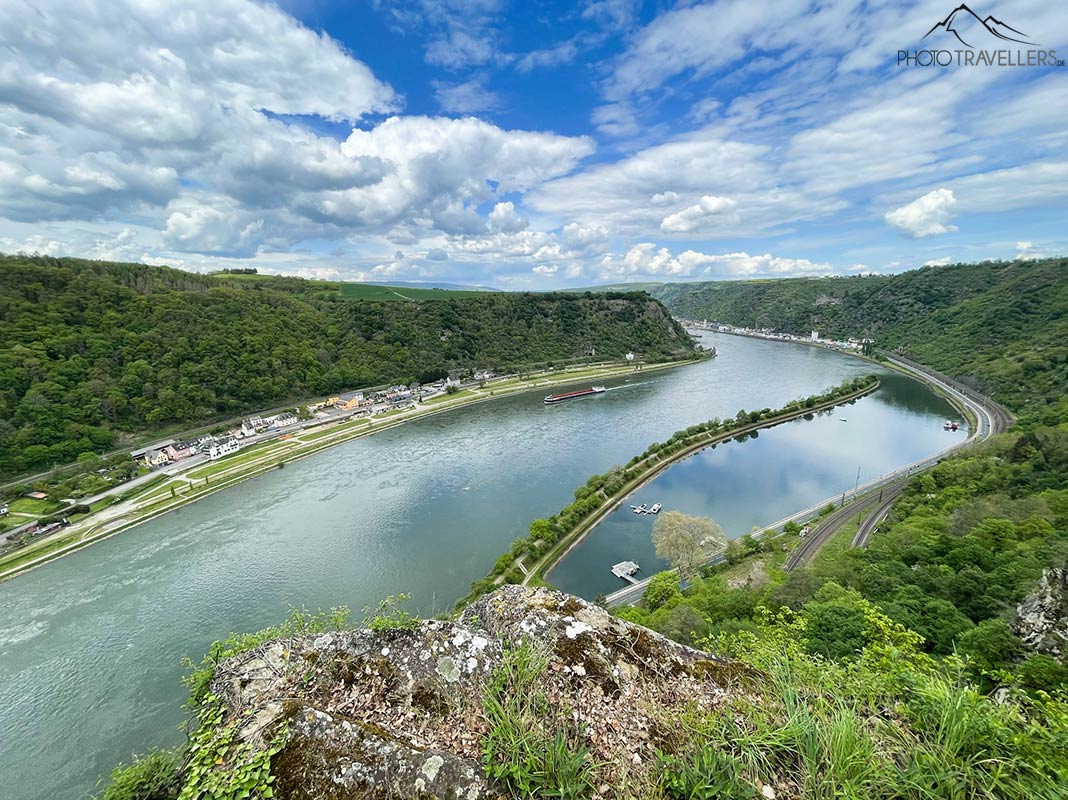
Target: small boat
[
  {"x": 947, "y": 425},
  {"x": 953, "y": 427},
  {"x": 557, "y": 398},
  {"x": 655, "y": 509},
  {"x": 843, "y": 419},
  {"x": 642, "y": 509}
]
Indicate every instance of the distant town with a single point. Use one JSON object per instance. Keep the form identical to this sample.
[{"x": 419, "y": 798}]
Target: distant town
[
  {"x": 257, "y": 427},
  {"x": 851, "y": 344}
]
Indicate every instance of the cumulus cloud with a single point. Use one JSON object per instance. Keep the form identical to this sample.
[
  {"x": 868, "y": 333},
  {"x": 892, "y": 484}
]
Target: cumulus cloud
[
  {"x": 938, "y": 262},
  {"x": 188, "y": 117},
  {"x": 545, "y": 269},
  {"x": 646, "y": 259},
  {"x": 504, "y": 219},
  {"x": 925, "y": 216},
  {"x": 709, "y": 209}
]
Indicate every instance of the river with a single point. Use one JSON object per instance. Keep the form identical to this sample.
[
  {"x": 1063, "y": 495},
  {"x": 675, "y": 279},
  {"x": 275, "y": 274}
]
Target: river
[{"x": 90, "y": 645}]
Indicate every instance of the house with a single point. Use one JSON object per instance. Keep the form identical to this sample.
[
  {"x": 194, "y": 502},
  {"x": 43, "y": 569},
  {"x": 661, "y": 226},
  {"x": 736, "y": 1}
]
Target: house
[
  {"x": 156, "y": 458},
  {"x": 350, "y": 402},
  {"x": 180, "y": 450},
  {"x": 286, "y": 420},
  {"x": 223, "y": 447},
  {"x": 142, "y": 454}
]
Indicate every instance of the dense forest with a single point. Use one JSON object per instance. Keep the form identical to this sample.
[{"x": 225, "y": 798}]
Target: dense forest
[
  {"x": 92, "y": 350},
  {"x": 1001, "y": 326}
]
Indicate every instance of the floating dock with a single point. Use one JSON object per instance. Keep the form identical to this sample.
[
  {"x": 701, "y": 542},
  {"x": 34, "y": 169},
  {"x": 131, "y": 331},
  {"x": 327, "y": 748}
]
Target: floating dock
[{"x": 625, "y": 570}]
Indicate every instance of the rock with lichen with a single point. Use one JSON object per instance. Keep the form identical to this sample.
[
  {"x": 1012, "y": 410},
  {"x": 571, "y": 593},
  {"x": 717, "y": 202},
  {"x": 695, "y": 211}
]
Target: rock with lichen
[
  {"x": 399, "y": 713},
  {"x": 1042, "y": 618}
]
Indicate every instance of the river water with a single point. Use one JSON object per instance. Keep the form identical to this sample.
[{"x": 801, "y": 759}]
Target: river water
[{"x": 90, "y": 645}]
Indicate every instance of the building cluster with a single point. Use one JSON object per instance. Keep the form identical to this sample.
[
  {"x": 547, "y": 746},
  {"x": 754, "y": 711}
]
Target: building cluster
[
  {"x": 214, "y": 446},
  {"x": 852, "y": 343},
  {"x": 363, "y": 403}
]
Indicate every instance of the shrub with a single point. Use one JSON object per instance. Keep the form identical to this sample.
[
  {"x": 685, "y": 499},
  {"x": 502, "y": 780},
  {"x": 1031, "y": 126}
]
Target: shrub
[{"x": 150, "y": 777}]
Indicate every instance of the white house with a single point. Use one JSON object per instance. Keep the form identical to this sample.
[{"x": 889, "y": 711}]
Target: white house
[{"x": 223, "y": 447}]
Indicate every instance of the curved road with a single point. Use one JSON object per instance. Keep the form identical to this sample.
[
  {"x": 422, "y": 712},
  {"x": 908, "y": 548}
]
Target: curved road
[{"x": 990, "y": 418}]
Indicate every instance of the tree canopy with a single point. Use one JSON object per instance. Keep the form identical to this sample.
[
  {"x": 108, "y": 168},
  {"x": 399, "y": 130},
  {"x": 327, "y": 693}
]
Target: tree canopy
[{"x": 90, "y": 350}]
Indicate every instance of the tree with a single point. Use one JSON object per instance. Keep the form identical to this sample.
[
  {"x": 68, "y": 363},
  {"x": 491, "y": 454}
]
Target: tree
[
  {"x": 662, "y": 587},
  {"x": 681, "y": 540},
  {"x": 991, "y": 644}
]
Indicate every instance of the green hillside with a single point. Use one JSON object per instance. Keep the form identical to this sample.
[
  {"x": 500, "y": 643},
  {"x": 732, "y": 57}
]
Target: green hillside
[
  {"x": 1001, "y": 326},
  {"x": 89, "y": 350}
]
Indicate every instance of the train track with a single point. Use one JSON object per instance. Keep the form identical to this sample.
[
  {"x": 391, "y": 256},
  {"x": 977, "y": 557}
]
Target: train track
[
  {"x": 827, "y": 527},
  {"x": 991, "y": 418}
]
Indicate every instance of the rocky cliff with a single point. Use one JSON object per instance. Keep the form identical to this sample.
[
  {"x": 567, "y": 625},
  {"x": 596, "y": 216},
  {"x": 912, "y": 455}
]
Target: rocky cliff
[
  {"x": 1042, "y": 618},
  {"x": 402, "y": 713}
]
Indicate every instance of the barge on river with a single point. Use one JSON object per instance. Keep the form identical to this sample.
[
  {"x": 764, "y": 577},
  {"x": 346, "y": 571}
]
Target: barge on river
[{"x": 559, "y": 398}]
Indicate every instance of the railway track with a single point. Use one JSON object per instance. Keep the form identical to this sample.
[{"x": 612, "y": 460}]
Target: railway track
[
  {"x": 826, "y": 528},
  {"x": 991, "y": 418}
]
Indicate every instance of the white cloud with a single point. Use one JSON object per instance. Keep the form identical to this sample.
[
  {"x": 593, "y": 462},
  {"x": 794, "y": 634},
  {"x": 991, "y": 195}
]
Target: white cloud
[
  {"x": 545, "y": 269},
  {"x": 548, "y": 57},
  {"x": 466, "y": 97},
  {"x": 503, "y": 219},
  {"x": 1025, "y": 251},
  {"x": 647, "y": 260},
  {"x": 938, "y": 262},
  {"x": 709, "y": 209},
  {"x": 925, "y": 216}
]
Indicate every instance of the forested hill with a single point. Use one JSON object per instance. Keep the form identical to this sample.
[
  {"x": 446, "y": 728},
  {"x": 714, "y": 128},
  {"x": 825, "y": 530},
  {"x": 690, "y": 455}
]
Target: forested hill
[
  {"x": 1001, "y": 325},
  {"x": 89, "y": 350}
]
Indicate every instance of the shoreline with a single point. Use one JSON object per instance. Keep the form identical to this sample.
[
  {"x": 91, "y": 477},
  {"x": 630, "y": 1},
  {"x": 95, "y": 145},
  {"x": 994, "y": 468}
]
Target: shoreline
[
  {"x": 540, "y": 570},
  {"x": 57, "y": 545}
]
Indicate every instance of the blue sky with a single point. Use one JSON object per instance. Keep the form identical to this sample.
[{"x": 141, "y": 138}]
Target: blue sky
[{"x": 529, "y": 145}]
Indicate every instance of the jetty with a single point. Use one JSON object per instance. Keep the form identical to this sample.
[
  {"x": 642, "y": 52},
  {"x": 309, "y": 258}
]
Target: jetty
[{"x": 625, "y": 570}]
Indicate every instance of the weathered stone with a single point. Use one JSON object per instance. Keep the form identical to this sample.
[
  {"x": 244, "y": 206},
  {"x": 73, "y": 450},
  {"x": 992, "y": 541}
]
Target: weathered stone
[
  {"x": 1042, "y": 618},
  {"x": 398, "y": 714}
]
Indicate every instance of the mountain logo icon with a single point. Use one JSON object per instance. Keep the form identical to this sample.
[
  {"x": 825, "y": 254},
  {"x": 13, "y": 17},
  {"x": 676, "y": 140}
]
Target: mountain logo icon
[{"x": 969, "y": 27}]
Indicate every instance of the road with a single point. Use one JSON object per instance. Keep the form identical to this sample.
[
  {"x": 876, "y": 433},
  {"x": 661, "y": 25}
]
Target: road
[
  {"x": 881, "y": 492},
  {"x": 991, "y": 419}
]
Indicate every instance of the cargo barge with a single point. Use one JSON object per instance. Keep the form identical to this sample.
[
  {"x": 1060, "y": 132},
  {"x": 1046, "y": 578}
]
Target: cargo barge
[{"x": 559, "y": 398}]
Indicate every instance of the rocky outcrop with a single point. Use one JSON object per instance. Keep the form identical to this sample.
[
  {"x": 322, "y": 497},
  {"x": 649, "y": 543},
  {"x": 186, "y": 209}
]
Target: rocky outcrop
[
  {"x": 399, "y": 713},
  {"x": 1042, "y": 618}
]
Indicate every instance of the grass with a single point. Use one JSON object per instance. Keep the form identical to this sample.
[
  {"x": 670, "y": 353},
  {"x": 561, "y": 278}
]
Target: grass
[
  {"x": 262, "y": 455},
  {"x": 530, "y": 750},
  {"x": 454, "y": 396},
  {"x": 27, "y": 505},
  {"x": 334, "y": 429}
]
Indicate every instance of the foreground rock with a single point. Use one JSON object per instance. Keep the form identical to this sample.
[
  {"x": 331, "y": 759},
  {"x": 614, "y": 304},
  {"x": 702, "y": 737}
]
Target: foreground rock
[
  {"x": 1042, "y": 618},
  {"x": 398, "y": 714}
]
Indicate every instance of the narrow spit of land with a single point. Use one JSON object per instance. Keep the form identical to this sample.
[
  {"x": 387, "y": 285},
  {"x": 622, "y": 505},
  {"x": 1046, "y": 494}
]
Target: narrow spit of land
[
  {"x": 986, "y": 417},
  {"x": 535, "y": 574},
  {"x": 176, "y": 490}
]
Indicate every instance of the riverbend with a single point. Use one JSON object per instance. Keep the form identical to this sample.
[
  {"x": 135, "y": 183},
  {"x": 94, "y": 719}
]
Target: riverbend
[{"x": 91, "y": 646}]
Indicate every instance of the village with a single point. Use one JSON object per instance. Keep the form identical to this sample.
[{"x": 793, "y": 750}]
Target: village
[
  {"x": 258, "y": 427},
  {"x": 852, "y": 344}
]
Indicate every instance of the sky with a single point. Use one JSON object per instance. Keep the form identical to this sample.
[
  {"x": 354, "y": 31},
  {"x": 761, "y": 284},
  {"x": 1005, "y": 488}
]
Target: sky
[{"x": 531, "y": 145}]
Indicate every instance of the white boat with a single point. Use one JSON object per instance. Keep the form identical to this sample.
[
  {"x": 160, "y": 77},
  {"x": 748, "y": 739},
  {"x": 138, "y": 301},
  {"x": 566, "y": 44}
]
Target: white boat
[
  {"x": 642, "y": 509},
  {"x": 655, "y": 509}
]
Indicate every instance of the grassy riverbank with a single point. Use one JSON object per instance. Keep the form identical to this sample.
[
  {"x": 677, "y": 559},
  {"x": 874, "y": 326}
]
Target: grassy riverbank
[{"x": 181, "y": 489}]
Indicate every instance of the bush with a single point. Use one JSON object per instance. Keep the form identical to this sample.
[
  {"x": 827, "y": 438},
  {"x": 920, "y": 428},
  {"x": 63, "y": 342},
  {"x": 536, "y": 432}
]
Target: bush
[{"x": 149, "y": 777}]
